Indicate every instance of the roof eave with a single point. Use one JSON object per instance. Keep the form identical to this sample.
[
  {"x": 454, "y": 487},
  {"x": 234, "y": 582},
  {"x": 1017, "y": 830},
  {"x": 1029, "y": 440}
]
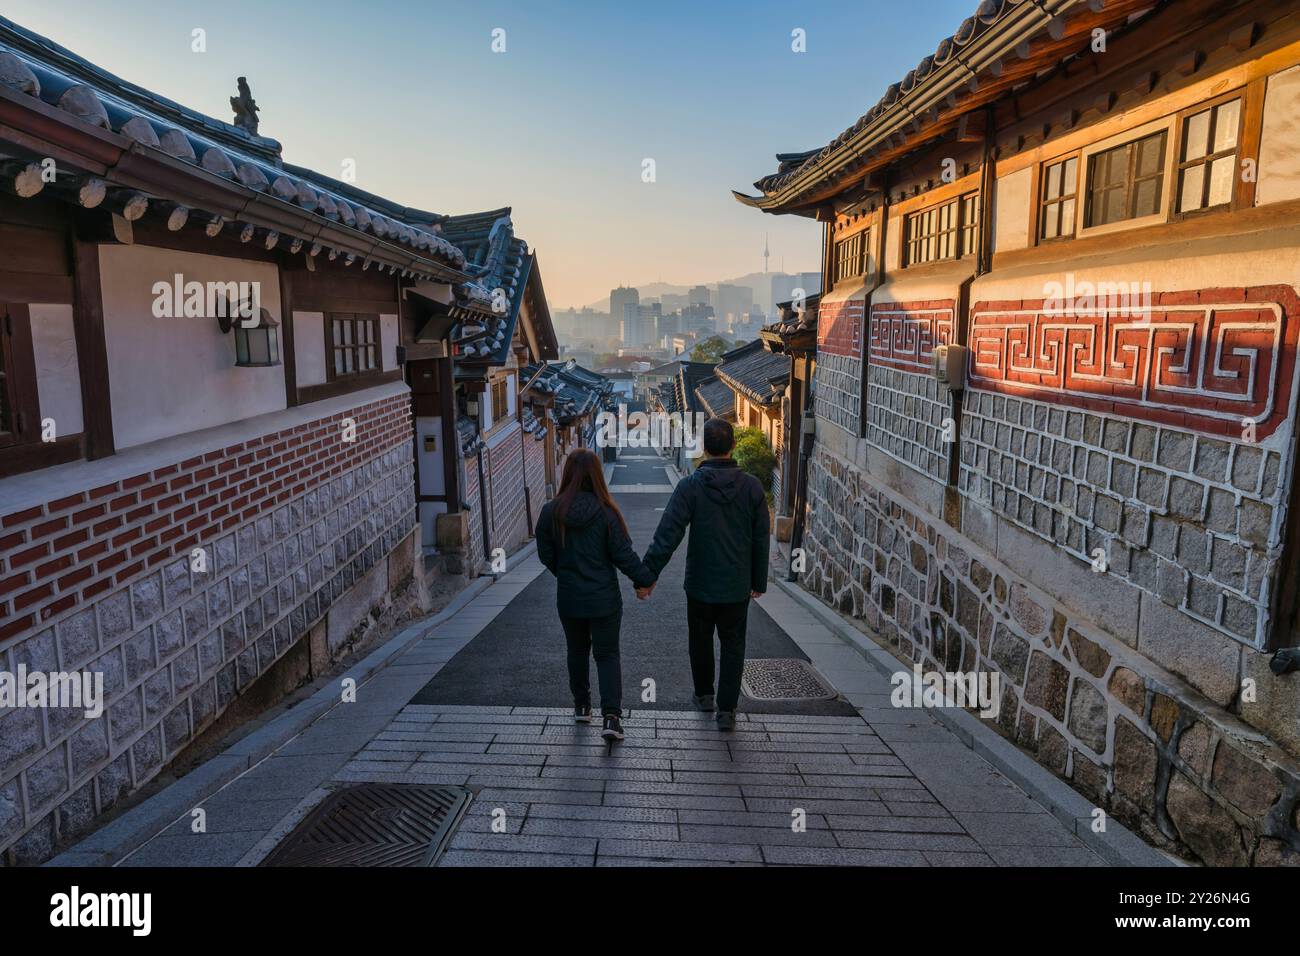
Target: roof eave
[
  {"x": 35, "y": 125},
  {"x": 993, "y": 46}
]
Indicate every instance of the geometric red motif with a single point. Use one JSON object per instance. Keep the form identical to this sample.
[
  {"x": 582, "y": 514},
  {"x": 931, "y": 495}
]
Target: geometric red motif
[
  {"x": 904, "y": 334},
  {"x": 839, "y": 327},
  {"x": 1204, "y": 360}
]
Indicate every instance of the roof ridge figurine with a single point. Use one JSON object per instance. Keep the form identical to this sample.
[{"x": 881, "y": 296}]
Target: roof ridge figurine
[{"x": 245, "y": 108}]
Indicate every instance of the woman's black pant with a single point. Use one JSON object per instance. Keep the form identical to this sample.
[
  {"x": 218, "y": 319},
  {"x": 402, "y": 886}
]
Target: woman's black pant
[{"x": 595, "y": 637}]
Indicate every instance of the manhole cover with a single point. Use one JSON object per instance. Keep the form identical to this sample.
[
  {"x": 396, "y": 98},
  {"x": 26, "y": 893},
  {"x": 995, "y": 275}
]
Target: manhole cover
[
  {"x": 374, "y": 824},
  {"x": 780, "y": 678}
]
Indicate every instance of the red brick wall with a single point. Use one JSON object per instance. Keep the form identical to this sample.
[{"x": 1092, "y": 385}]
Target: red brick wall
[
  {"x": 1204, "y": 360},
  {"x": 101, "y": 581},
  {"x": 506, "y": 476},
  {"x": 475, "y": 558},
  {"x": 58, "y": 555},
  {"x": 535, "y": 475}
]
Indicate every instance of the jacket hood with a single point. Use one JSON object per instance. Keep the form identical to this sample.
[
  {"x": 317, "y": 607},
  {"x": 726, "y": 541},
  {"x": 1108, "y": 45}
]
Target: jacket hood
[
  {"x": 721, "y": 479},
  {"x": 583, "y": 511}
]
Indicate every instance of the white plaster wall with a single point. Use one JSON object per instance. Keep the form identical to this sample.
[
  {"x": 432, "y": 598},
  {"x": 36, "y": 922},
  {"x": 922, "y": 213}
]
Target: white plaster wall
[
  {"x": 893, "y": 243},
  {"x": 941, "y": 283},
  {"x": 309, "y": 347},
  {"x": 58, "y": 377},
  {"x": 388, "y": 336},
  {"x": 174, "y": 375},
  {"x": 1011, "y": 203},
  {"x": 1279, "y": 147},
  {"x": 432, "y": 479}
]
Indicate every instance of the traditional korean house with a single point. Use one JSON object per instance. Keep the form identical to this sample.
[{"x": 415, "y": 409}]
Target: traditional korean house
[
  {"x": 573, "y": 398},
  {"x": 758, "y": 379},
  {"x": 651, "y": 379},
  {"x": 686, "y": 403},
  {"x": 208, "y": 359},
  {"x": 504, "y": 465},
  {"x": 794, "y": 335},
  {"x": 1056, "y": 370}
]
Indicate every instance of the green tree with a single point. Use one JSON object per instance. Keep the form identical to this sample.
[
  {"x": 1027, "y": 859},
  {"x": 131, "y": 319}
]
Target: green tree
[
  {"x": 754, "y": 455},
  {"x": 710, "y": 350}
]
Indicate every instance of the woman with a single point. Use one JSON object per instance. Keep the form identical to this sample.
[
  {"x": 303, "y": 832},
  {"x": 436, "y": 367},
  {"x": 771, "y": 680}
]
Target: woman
[{"x": 582, "y": 538}]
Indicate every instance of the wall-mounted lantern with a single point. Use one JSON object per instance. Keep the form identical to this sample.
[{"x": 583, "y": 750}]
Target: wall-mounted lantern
[{"x": 257, "y": 344}]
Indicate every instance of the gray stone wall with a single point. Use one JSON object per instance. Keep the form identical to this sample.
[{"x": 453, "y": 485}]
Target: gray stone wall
[
  {"x": 1142, "y": 744},
  {"x": 906, "y": 416},
  {"x": 838, "y": 383},
  {"x": 1189, "y": 518},
  {"x": 177, "y": 647}
]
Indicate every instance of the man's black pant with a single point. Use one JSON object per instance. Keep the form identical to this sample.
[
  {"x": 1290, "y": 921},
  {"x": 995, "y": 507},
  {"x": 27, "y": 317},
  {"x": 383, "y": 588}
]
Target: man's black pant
[
  {"x": 729, "y": 620},
  {"x": 597, "y": 637}
]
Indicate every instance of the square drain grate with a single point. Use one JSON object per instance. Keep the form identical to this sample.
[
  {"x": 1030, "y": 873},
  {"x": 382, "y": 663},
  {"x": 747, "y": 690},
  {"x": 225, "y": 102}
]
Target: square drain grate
[
  {"x": 782, "y": 678},
  {"x": 374, "y": 824}
]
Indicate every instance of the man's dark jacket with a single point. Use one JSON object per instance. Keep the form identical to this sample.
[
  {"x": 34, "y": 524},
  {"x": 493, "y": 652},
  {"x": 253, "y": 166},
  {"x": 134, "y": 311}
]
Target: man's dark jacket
[
  {"x": 594, "y": 545},
  {"x": 726, "y": 510}
]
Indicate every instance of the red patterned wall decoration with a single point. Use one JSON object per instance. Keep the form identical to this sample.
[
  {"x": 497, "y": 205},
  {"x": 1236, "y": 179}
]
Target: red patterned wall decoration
[
  {"x": 1204, "y": 360},
  {"x": 839, "y": 327},
  {"x": 904, "y": 334}
]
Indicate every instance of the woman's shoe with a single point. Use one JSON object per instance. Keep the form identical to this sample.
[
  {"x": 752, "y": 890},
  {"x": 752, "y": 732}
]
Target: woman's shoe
[
  {"x": 581, "y": 715},
  {"x": 613, "y": 728}
]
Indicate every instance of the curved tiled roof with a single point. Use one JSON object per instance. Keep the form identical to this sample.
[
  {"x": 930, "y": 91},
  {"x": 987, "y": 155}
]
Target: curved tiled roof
[
  {"x": 576, "y": 390},
  {"x": 755, "y": 372},
  {"x": 988, "y": 14},
  {"x": 716, "y": 397},
  {"x": 497, "y": 260},
  {"x": 35, "y": 66}
]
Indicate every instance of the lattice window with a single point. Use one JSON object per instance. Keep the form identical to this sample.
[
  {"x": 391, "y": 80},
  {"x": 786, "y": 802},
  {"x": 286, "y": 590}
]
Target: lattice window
[
  {"x": 851, "y": 256},
  {"x": 948, "y": 230},
  {"x": 1057, "y": 199},
  {"x": 353, "y": 344},
  {"x": 1208, "y": 164},
  {"x": 1126, "y": 182}
]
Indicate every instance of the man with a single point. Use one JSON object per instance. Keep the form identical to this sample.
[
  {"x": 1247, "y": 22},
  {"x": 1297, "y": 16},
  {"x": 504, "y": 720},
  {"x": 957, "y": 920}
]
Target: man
[{"x": 726, "y": 564}]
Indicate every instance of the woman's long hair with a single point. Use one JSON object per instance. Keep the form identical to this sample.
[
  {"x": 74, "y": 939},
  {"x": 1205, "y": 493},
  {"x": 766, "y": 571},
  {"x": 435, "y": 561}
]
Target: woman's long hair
[{"x": 582, "y": 472}]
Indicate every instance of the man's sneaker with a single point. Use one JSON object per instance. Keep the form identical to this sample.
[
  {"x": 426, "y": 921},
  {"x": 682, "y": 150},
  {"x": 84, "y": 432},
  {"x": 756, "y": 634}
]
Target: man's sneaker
[
  {"x": 706, "y": 703},
  {"x": 613, "y": 728},
  {"x": 726, "y": 720},
  {"x": 581, "y": 715}
]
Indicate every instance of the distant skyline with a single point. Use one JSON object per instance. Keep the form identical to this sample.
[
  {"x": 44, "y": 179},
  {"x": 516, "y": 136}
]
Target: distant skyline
[{"x": 558, "y": 126}]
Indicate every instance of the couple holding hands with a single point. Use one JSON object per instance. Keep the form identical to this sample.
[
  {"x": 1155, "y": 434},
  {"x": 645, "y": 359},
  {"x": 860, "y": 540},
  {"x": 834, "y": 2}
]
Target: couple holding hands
[{"x": 583, "y": 540}]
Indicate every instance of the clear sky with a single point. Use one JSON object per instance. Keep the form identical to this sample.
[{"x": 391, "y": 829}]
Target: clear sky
[{"x": 557, "y": 126}]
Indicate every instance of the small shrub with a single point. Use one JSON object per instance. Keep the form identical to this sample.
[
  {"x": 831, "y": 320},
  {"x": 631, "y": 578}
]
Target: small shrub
[{"x": 754, "y": 455}]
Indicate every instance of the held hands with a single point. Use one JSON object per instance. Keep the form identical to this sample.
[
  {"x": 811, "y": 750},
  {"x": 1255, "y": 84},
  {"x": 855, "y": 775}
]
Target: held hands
[{"x": 643, "y": 593}]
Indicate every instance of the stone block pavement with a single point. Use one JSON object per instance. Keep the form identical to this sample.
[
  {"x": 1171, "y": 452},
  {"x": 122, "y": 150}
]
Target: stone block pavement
[{"x": 890, "y": 787}]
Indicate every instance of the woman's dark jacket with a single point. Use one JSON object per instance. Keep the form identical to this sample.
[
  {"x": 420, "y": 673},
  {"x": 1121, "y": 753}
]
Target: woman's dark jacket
[{"x": 594, "y": 545}]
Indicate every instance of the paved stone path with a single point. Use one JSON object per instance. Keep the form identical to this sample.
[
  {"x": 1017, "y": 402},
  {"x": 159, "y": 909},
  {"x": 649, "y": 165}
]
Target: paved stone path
[{"x": 885, "y": 787}]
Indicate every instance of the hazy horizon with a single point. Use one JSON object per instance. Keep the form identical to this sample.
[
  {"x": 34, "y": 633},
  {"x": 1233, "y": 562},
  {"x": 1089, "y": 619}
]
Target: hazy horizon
[{"x": 556, "y": 127}]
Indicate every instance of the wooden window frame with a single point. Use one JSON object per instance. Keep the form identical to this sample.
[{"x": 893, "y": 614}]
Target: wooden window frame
[
  {"x": 1131, "y": 180},
  {"x": 1249, "y": 128},
  {"x": 18, "y": 377},
  {"x": 1040, "y": 202},
  {"x": 24, "y": 451},
  {"x": 333, "y": 348},
  {"x": 851, "y": 252},
  {"x": 499, "y": 384},
  {"x": 959, "y": 232}
]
